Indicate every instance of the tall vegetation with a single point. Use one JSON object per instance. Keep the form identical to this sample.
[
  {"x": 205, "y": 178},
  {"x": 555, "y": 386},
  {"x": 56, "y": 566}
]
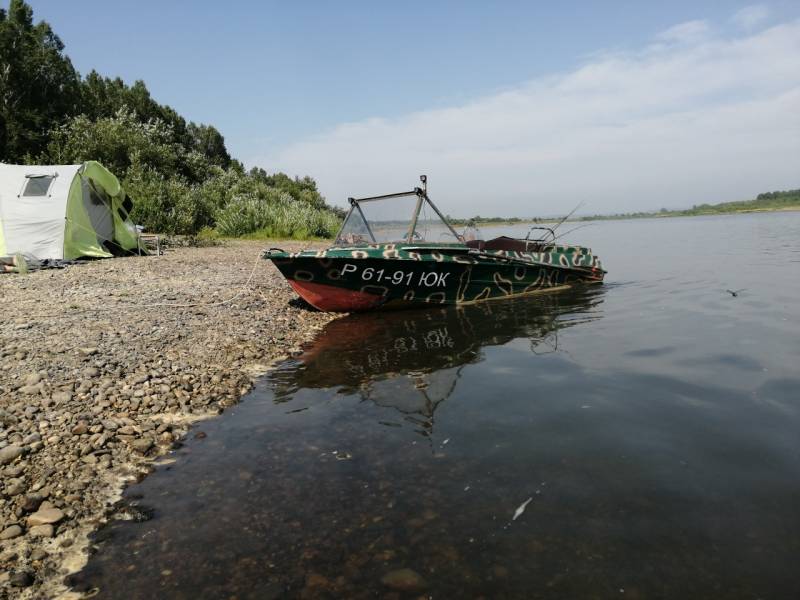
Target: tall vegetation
[{"x": 179, "y": 174}]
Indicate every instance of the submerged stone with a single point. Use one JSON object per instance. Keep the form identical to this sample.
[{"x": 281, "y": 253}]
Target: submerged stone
[{"x": 404, "y": 580}]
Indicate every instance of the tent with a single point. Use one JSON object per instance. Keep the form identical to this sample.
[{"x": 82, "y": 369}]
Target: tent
[{"x": 64, "y": 212}]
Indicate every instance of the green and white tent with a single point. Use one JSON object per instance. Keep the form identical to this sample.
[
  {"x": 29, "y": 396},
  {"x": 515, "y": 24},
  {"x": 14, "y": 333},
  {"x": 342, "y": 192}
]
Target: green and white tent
[{"x": 64, "y": 212}]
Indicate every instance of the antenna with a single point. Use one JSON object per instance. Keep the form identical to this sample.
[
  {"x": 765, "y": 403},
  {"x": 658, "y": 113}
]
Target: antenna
[{"x": 424, "y": 180}]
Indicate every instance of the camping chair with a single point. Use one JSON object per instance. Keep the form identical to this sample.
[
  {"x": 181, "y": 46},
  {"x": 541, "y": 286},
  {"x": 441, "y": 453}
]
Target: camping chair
[{"x": 145, "y": 241}]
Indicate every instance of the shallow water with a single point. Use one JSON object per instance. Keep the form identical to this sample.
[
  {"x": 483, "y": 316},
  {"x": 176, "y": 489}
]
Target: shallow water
[{"x": 653, "y": 422}]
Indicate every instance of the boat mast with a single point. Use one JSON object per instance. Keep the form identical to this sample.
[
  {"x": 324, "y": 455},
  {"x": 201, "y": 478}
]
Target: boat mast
[
  {"x": 421, "y": 193},
  {"x": 424, "y": 179}
]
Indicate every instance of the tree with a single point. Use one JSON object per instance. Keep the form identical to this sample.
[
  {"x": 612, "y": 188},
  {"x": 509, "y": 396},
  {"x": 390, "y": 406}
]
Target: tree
[
  {"x": 209, "y": 142},
  {"x": 118, "y": 142},
  {"x": 38, "y": 85}
]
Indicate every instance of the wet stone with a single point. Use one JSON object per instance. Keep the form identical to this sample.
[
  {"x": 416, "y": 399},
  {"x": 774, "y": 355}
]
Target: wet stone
[
  {"x": 404, "y": 580},
  {"x": 21, "y": 579},
  {"x": 142, "y": 445}
]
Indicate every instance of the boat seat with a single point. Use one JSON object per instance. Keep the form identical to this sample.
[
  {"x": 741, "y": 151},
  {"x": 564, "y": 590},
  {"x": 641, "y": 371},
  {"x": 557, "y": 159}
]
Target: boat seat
[{"x": 506, "y": 243}]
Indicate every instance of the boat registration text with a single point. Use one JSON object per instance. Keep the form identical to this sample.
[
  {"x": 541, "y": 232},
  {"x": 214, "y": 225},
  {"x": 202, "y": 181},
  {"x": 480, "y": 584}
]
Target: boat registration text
[{"x": 426, "y": 278}]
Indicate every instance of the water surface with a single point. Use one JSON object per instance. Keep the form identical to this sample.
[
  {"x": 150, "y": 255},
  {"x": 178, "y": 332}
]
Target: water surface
[{"x": 651, "y": 424}]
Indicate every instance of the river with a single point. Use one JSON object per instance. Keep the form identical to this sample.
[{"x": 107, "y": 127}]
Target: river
[{"x": 639, "y": 439}]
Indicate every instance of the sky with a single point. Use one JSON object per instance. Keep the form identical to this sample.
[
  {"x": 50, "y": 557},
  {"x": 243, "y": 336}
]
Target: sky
[{"x": 510, "y": 108}]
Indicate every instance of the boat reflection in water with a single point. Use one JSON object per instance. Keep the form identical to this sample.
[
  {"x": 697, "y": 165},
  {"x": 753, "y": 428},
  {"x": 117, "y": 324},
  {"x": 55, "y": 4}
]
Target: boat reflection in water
[{"x": 412, "y": 361}]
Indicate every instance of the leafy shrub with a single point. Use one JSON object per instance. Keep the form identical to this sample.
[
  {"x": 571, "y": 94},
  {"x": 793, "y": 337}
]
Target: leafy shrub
[
  {"x": 163, "y": 205},
  {"x": 276, "y": 216}
]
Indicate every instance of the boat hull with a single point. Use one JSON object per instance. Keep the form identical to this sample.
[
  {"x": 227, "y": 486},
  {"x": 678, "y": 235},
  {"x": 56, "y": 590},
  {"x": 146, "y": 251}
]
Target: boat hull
[{"x": 354, "y": 280}]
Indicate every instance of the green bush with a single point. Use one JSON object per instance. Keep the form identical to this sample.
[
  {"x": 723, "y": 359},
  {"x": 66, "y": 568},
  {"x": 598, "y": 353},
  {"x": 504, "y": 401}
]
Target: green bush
[
  {"x": 169, "y": 206},
  {"x": 275, "y": 216}
]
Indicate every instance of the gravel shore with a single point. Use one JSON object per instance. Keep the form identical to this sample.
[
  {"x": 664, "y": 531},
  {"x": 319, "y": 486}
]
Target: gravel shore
[{"x": 104, "y": 367}]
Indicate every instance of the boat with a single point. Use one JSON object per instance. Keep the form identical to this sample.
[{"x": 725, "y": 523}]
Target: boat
[{"x": 399, "y": 251}]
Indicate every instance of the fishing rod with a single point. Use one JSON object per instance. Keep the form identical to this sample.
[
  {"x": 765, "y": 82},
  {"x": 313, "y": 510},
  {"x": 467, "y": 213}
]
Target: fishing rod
[
  {"x": 572, "y": 212},
  {"x": 571, "y": 230}
]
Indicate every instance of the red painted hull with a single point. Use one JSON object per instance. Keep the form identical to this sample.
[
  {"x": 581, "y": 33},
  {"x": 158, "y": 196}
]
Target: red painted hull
[{"x": 332, "y": 299}]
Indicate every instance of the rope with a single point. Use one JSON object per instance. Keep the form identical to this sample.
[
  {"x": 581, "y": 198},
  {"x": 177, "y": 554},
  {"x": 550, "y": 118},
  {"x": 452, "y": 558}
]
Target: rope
[
  {"x": 221, "y": 302},
  {"x": 116, "y": 307},
  {"x": 189, "y": 305}
]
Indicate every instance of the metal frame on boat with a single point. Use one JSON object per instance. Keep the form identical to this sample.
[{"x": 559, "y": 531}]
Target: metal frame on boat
[{"x": 420, "y": 193}]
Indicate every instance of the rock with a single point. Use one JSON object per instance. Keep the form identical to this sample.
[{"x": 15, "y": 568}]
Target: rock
[
  {"x": 38, "y": 554},
  {"x": 10, "y": 453},
  {"x": 32, "y": 502},
  {"x": 45, "y": 516},
  {"x": 45, "y": 531},
  {"x": 15, "y": 487},
  {"x": 33, "y": 379},
  {"x": 34, "y": 437},
  {"x": 80, "y": 429},
  {"x": 14, "y": 471},
  {"x": 500, "y": 571},
  {"x": 90, "y": 351},
  {"x": 142, "y": 445},
  {"x": 315, "y": 580},
  {"x": 7, "y": 419},
  {"x": 30, "y": 390},
  {"x": 91, "y": 372},
  {"x": 404, "y": 580},
  {"x": 61, "y": 397},
  {"x": 21, "y": 579},
  {"x": 9, "y": 533}
]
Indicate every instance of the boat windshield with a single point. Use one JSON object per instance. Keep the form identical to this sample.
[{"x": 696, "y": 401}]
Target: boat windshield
[{"x": 392, "y": 219}]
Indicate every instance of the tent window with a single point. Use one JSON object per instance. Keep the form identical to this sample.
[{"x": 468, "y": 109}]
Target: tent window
[{"x": 37, "y": 185}]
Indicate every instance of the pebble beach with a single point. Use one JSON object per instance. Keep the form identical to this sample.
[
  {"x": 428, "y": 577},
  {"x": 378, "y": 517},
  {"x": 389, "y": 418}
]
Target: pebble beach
[{"x": 106, "y": 367}]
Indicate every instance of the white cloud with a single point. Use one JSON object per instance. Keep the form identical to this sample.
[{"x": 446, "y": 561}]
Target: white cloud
[
  {"x": 684, "y": 33},
  {"x": 750, "y": 17},
  {"x": 704, "y": 120}
]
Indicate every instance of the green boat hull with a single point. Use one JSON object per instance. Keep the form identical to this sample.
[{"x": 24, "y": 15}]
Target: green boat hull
[{"x": 367, "y": 277}]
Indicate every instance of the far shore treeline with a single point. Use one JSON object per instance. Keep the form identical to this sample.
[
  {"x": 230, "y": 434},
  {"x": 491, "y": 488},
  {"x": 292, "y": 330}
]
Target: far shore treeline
[
  {"x": 179, "y": 174},
  {"x": 766, "y": 202}
]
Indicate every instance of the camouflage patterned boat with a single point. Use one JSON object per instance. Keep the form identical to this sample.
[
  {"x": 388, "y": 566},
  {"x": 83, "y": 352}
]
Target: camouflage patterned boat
[{"x": 382, "y": 260}]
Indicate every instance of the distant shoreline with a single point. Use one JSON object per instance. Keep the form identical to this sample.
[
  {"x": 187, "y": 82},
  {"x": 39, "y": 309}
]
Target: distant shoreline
[
  {"x": 704, "y": 210},
  {"x": 686, "y": 213}
]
